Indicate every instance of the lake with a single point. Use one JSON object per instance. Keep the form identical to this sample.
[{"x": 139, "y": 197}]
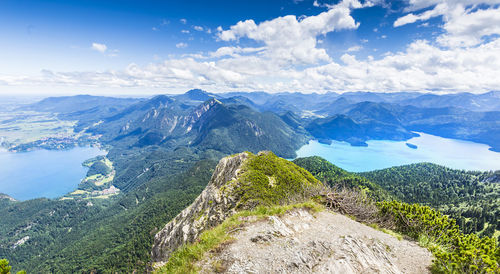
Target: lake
[
  {"x": 43, "y": 173},
  {"x": 452, "y": 153}
]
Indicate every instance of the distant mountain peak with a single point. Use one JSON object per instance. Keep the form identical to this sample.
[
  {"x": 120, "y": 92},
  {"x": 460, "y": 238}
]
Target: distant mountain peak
[
  {"x": 198, "y": 95},
  {"x": 196, "y": 91},
  {"x": 5, "y": 196}
]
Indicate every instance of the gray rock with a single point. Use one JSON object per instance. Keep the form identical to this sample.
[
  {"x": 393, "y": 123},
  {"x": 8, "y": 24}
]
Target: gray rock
[{"x": 211, "y": 208}]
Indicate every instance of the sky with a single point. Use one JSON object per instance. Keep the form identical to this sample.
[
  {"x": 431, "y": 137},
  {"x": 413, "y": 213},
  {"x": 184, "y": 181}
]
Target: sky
[{"x": 150, "y": 47}]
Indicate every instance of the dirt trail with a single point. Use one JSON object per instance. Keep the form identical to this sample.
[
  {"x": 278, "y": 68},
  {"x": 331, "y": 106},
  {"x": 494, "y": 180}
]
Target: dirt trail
[{"x": 324, "y": 242}]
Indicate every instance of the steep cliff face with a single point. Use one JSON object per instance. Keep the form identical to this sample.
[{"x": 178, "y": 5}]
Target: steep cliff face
[
  {"x": 209, "y": 209},
  {"x": 241, "y": 181}
]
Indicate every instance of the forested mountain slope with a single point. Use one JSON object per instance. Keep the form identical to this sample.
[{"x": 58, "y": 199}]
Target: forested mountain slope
[
  {"x": 264, "y": 213},
  {"x": 472, "y": 198}
]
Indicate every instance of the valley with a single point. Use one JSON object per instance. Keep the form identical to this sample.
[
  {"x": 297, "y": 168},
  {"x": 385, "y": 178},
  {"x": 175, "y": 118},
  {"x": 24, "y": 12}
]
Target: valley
[
  {"x": 290, "y": 136},
  {"x": 161, "y": 152}
]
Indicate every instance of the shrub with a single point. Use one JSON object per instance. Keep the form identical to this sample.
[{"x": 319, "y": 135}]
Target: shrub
[{"x": 454, "y": 251}]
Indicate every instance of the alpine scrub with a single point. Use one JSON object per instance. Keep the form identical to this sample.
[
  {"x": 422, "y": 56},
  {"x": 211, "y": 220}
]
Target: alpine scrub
[{"x": 454, "y": 251}]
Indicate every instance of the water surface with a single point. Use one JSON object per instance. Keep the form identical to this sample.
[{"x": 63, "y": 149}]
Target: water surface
[
  {"x": 452, "y": 153},
  {"x": 43, "y": 173}
]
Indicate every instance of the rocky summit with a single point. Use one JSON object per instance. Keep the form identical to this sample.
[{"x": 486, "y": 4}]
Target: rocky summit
[{"x": 287, "y": 238}]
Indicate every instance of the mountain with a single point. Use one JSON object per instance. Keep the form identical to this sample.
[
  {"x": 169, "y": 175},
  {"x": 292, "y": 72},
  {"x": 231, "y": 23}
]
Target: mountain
[
  {"x": 472, "y": 198},
  {"x": 5, "y": 200},
  {"x": 335, "y": 177},
  {"x": 6, "y": 197},
  {"x": 166, "y": 122},
  {"x": 250, "y": 217},
  {"x": 78, "y": 103},
  {"x": 343, "y": 128},
  {"x": 389, "y": 116},
  {"x": 489, "y": 101},
  {"x": 164, "y": 150},
  {"x": 261, "y": 212},
  {"x": 258, "y": 97},
  {"x": 243, "y": 181},
  {"x": 85, "y": 109},
  {"x": 392, "y": 121},
  {"x": 195, "y": 96}
]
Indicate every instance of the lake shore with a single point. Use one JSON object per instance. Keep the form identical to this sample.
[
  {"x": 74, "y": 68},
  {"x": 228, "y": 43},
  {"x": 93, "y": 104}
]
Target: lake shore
[{"x": 457, "y": 154}]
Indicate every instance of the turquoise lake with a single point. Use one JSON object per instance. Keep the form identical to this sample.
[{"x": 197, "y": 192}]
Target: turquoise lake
[
  {"x": 43, "y": 173},
  {"x": 383, "y": 154}
]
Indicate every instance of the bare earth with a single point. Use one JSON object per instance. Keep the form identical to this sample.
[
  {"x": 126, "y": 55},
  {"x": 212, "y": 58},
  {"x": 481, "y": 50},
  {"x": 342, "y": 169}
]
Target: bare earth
[{"x": 324, "y": 242}]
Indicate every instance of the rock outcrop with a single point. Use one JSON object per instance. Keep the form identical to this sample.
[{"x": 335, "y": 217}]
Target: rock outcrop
[
  {"x": 6, "y": 197},
  {"x": 324, "y": 242},
  {"x": 241, "y": 181},
  {"x": 297, "y": 242},
  {"x": 209, "y": 209}
]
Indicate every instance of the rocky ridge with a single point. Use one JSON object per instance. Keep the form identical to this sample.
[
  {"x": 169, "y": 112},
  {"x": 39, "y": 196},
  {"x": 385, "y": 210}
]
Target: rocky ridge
[
  {"x": 209, "y": 209},
  {"x": 298, "y": 241},
  {"x": 325, "y": 242}
]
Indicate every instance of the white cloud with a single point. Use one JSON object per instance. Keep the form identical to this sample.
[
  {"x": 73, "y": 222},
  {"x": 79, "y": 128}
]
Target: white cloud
[
  {"x": 99, "y": 47},
  {"x": 234, "y": 51},
  {"x": 289, "y": 59},
  {"x": 421, "y": 67},
  {"x": 469, "y": 29},
  {"x": 198, "y": 28},
  {"x": 181, "y": 45},
  {"x": 183, "y": 21},
  {"x": 438, "y": 10},
  {"x": 185, "y": 31},
  {"x": 354, "y": 48},
  {"x": 289, "y": 40},
  {"x": 466, "y": 22}
]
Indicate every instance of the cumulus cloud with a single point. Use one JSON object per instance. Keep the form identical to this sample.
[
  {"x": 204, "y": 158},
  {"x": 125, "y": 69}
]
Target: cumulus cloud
[
  {"x": 290, "y": 40},
  {"x": 198, "y": 28},
  {"x": 421, "y": 67},
  {"x": 99, "y": 47},
  {"x": 469, "y": 28},
  {"x": 466, "y": 22},
  {"x": 289, "y": 58}
]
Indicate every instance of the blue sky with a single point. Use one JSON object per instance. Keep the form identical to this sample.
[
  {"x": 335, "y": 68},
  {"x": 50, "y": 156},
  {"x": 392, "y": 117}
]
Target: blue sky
[{"x": 148, "y": 47}]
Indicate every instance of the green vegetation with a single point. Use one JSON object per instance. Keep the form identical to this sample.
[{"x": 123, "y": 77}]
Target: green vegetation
[
  {"x": 159, "y": 175},
  {"x": 472, "y": 198},
  {"x": 18, "y": 127},
  {"x": 5, "y": 268},
  {"x": 443, "y": 188},
  {"x": 269, "y": 180},
  {"x": 184, "y": 258},
  {"x": 334, "y": 176},
  {"x": 454, "y": 251},
  {"x": 65, "y": 236},
  {"x": 99, "y": 167}
]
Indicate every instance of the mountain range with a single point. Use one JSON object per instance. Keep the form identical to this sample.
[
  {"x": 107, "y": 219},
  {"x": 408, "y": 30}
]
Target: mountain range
[
  {"x": 366, "y": 115},
  {"x": 164, "y": 150}
]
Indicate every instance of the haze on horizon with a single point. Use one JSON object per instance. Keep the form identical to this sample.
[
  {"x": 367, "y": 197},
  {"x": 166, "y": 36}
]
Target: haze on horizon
[{"x": 150, "y": 47}]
